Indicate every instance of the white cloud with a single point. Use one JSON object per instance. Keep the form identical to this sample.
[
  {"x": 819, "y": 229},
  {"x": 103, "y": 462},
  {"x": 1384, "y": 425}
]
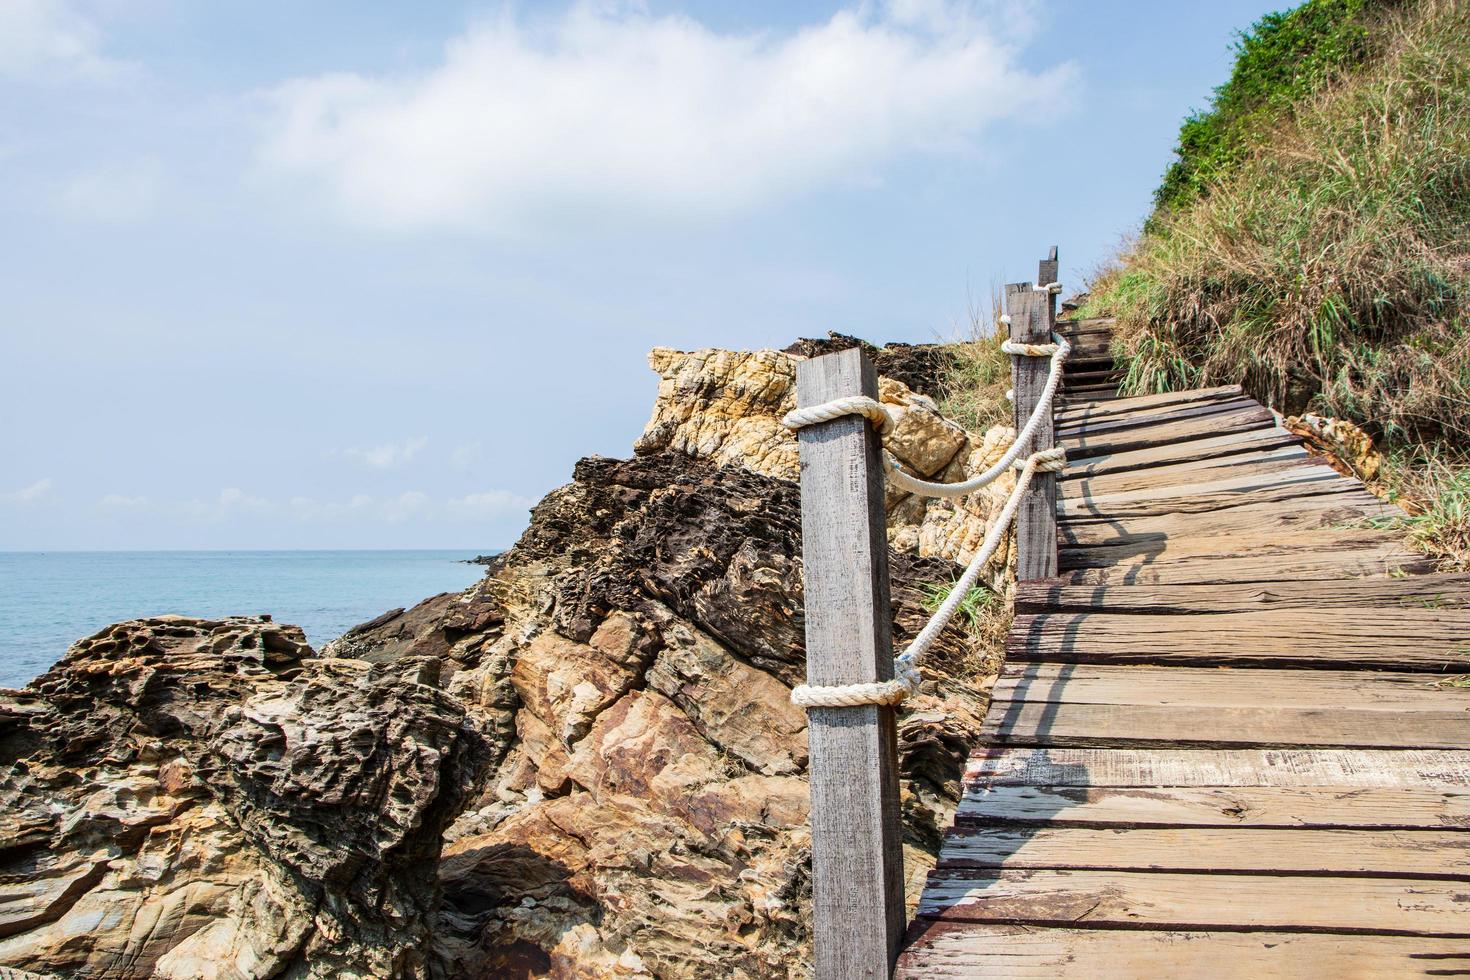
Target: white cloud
[
  {"x": 490, "y": 504},
  {"x": 607, "y": 107},
  {"x": 117, "y": 194},
  {"x": 406, "y": 505},
  {"x": 34, "y": 493},
  {"x": 467, "y": 457},
  {"x": 117, "y": 501},
  {"x": 49, "y": 37},
  {"x": 237, "y": 499},
  {"x": 388, "y": 454}
]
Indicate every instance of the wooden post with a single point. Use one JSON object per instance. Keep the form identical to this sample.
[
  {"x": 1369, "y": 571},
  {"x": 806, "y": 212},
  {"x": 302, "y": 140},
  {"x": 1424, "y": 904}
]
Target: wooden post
[
  {"x": 857, "y": 853},
  {"x": 1033, "y": 318}
]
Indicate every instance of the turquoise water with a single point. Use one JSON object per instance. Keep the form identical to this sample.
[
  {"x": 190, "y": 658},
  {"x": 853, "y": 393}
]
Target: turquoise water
[{"x": 50, "y": 599}]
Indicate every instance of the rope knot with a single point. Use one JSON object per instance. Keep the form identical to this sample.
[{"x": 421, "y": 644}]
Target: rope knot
[
  {"x": 1028, "y": 350},
  {"x": 905, "y": 684},
  {"x": 869, "y": 408},
  {"x": 1051, "y": 287},
  {"x": 1053, "y": 460}
]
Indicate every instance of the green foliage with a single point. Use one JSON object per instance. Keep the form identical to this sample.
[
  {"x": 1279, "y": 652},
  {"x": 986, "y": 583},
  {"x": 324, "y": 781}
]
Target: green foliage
[
  {"x": 1327, "y": 269},
  {"x": 972, "y": 607},
  {"x": 1284, "y": 58}
]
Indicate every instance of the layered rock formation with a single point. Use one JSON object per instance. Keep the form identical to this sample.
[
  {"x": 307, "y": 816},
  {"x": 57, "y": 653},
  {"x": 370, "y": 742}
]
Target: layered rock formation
[
  {"x": 607, "y": 713},
  {"x": 193, "y": 798}
]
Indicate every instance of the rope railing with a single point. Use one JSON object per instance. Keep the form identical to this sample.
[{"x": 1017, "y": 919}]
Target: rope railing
[{"x": 906, "y": 677}]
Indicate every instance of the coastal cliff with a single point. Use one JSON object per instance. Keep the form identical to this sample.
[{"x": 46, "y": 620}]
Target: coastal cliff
[{"x": 585, "y": 765}]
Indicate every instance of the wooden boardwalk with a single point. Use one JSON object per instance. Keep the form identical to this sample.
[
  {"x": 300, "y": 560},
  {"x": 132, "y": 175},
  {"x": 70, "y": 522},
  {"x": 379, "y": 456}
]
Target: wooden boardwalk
[{"x": 1225, "y": 742}]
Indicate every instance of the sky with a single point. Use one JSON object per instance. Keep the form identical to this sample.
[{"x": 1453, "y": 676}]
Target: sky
[{"x": 355, "y": 274}]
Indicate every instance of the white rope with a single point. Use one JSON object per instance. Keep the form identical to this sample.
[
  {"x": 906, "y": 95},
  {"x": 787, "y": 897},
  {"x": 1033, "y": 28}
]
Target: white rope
[
  {"x": 1051, "y": 460},
  {"x": 1023, "y": 439},
  {"x": 869, "y": 408},
  {"x": 906, "y": 676},
  {"x": 1051, "y": 287}
]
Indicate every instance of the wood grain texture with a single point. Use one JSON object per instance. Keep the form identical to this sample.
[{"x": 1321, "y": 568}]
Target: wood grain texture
[
  {"x": 1036, "y": 517},
  {"x": 1182, "y": 901},
  {"x": 1406, "y": 639},
  {"x": 1450, "y": 591},
  {"x": 1072, "y": 724},
  {"x": 1145, "y": 404},
  {"x": 857, "y": 858},
  {"x": 1282, "y": 807},
  {"x": 950, "y": 951},
  {"x": 1342, "y": 768},
  {"x": 1203, "y": 850},
  {"x": 1228, "y": 687}
]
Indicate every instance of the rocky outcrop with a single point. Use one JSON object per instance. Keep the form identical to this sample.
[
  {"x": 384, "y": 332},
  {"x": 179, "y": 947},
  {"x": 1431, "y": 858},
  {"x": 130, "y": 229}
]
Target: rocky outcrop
[
  {"x": 204, "y": 798},
  {"x": 585, "y": 765}
]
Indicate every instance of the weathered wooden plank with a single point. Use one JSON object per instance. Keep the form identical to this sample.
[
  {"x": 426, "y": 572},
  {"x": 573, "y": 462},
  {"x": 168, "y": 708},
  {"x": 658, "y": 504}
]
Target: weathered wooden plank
[
  {"x": 1133, "y": 899},
  {"x": 857, "y": 857},
  {"x": 1086, "y": 445},
  {"x": 1355, "y": 547},
  {"x": 1210, "y": 446},
  {"x": 1036, "y": 517},
  {"x": 949, "y": 951},
  {"x": 1343, "y": 491},
  {"x": 1348, "y": 768},
  {"x": 1332, "y": 512},
  {"x": 1228, "y": 687},
  {"x": 1281, "y": 807},
  {"x": 1146, "y": 404},
  {"x": 1388, "y": 853},
  {"x": 1080, "y": 499},
  {"x": 1105, "y": 725},
  {"x": 1412, "y": 591},
  {"x": 1282, "y": 458},
  {"x": 1402, "y": 639},
  {"x": 1160, "y": 417},
  {"x": 1319, "y": 566}
]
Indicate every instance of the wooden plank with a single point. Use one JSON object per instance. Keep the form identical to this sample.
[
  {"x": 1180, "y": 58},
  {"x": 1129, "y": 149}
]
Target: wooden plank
[
  {"x": 950, "y": 951},
  {"x": 1227, "y": 687},
  {"x": 1388, "y": 853},
  {"x": 1210, "y": 446},
  {"x": 1238, "y": 482},
  {"x": 1086, "y": 445},
  {"x": 857, "y": 857},
  {"x": 1282, "y": 458},
  {"x": 1220, "y": 901},
  {"x": 1413, "y": 591},
  {"x": 1332, "y": 512},
  {"x": 1156, "y": 418},
  {"x": 1036, "y": 517},
  {"x": 1342, "y": 490},
  {"x": 1348, "y": 768},
  {"x": 1219, "y": 806},
  {"x": 1394, "y": 639},
  {"x": 1323, "y": 566},
  {"x": 1145, "y": 404},
  {"x": 1360, "y": 544},
  {"x": 1105, "y": 725}
]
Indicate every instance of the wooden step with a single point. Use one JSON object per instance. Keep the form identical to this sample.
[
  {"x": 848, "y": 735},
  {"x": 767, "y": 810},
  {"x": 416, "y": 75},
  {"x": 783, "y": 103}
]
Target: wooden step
[
  {"x": 1409, "y": 592},
  {"x": 1409, "y": 639},
  {"x": 966, "y": 950}
]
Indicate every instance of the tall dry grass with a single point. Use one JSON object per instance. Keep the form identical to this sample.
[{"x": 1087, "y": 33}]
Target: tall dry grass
[{"x": 1330, "y": 270}]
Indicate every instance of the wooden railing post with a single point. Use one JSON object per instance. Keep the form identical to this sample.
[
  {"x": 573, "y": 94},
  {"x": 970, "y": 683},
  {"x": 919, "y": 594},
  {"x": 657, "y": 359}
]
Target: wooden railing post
[
  {"x": 857, "y": 854},
  {"x": 1033, "y": 318}
]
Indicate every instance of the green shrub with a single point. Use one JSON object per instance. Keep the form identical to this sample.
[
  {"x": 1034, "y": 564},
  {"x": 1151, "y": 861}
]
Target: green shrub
[{"x": 1282, "y": 59}]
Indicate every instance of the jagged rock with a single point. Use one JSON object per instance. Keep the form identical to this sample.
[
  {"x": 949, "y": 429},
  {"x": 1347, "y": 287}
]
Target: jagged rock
[
  {"x": 727, "y": 406},
  {"x": 605, "y": 717},
  {"x": 1345, "y": 447},
  {"x": 920, "y": 367},
  {"x": 190, "y": 798},
  {"x": 649, "y": 819}
]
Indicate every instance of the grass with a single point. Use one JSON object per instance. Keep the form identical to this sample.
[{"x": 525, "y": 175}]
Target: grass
[
  {"x": 972, "y": 607},
  {"x": 979, "y": 374},
  {"x": 1284, "y": 58},
  {"x": 1327, "y": 267},
  {"x": 1436, "y": 494}
]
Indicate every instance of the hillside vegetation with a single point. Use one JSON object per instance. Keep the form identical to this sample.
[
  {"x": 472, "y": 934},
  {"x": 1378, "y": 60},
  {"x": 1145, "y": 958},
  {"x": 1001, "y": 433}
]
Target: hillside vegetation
[{"x": 1312, "y": 241}]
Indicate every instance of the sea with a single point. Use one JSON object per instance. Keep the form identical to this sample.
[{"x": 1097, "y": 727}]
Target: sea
[{"x": 50, "y": 599}]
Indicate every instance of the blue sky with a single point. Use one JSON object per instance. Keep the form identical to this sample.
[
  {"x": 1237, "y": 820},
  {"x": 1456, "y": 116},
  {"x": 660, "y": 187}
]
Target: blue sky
[{"x": 341, "y": 274}]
